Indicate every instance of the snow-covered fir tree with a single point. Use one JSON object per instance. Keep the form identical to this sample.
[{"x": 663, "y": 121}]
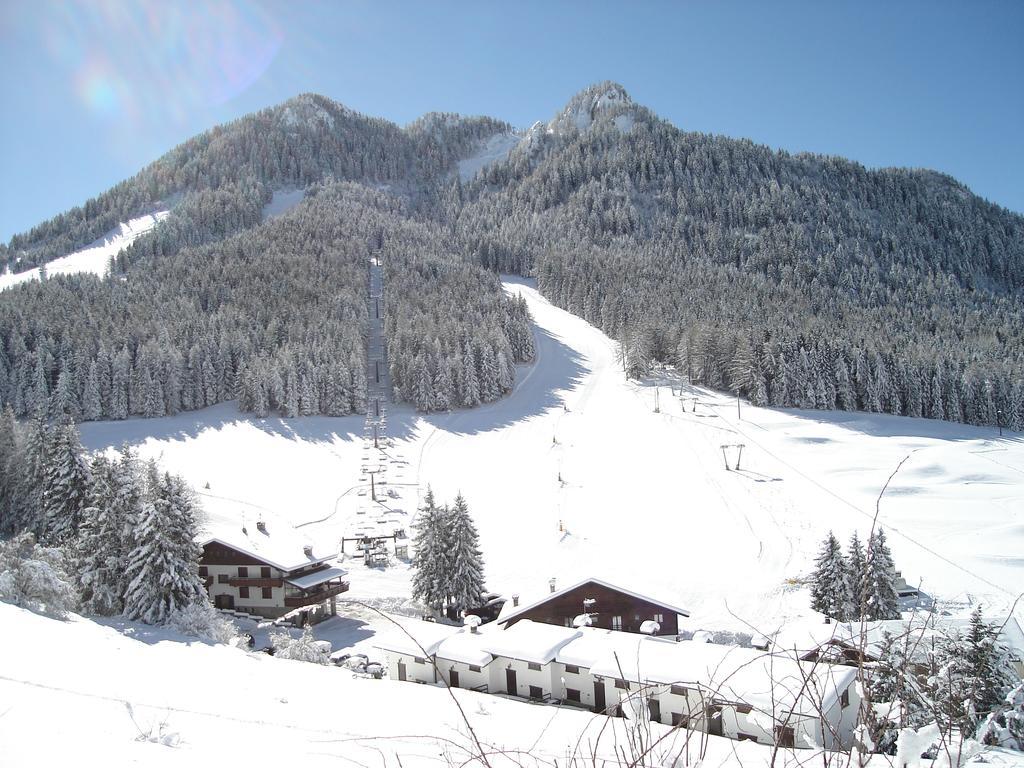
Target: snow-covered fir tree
[
  {"x": 465, "y": 574},
  {"x": 163, "y": 569},
  {"x": 1005, "y": 726},
  {"x": 880, "y": 601},
  {"x": 430, "y": 556},
  {"x": 856, "y": 566},
  {"x": 100, "y": 560},
  {"x": 830, "y": 587},
  {"x": 65, "y": 485}
]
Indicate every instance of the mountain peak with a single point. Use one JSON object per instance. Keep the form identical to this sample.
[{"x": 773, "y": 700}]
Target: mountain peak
[{"x": 602, "y": 100}]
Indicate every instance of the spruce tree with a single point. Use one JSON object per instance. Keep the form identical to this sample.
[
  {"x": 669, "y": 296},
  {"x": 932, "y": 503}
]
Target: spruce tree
[
  {"x": 465, "y": 575},
  {"x": 66, "y": 486},
  {"x": 856, "y": 566},
  {"x": 98, "y": 549},
  {"x": 429, "y": 555},
  {"x": 830, "y": 588},
  {"x": 880, "y": 602},
  {"x": 163, "y": 569}
]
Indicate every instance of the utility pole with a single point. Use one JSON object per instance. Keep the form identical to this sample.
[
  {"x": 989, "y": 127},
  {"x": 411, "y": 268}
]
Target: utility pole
[
  {"x": 373, "y": 486},
  {"x": 657, "y": 401},
  {"x": 999, "y": 421},
  {"x": 739, "y": 417}
]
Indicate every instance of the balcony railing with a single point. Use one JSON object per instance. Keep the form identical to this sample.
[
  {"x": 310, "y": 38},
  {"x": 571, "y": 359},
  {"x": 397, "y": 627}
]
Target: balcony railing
[
  {"x": 234, "y": 581},
  {"x": 312, "y": 597}
]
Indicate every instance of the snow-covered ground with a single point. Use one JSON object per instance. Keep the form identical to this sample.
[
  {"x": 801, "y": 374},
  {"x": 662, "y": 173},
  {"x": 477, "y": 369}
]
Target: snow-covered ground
[
  {"x": 96, "y": 256},
  {"x": 575, "y": 474},
  {"x": 282, "y": 202},
  {"x": 84, "y": 693},
  {"x": 494, "y": 150}
]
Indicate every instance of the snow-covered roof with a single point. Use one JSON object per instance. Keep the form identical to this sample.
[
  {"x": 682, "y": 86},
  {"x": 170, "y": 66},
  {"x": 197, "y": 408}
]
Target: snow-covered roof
[
  {"x": 318, "y": 577},
  {"x": 529, "y": 641},
  {"x": 465, "y": 647},
  {"x": 417, "y": 638},
  {"x": 277, "y": 543},
  {"x": 768, "y": 682},
  {"x": 509, "y": 611}
]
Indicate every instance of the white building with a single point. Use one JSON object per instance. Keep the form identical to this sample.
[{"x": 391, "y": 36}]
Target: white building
[{"x": 738, "y": 693}]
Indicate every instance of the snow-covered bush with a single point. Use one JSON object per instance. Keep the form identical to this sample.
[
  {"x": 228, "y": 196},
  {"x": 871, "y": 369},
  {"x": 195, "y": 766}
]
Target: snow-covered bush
[
  {"x": 199, "y": 619},
  {"x": 1005, "y": 726},
  {"x": 33, "y": 577},
  {"x": 303, "y": 648}
]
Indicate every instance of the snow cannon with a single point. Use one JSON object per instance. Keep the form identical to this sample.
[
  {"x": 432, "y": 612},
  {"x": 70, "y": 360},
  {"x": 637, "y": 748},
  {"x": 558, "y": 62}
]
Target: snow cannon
[
  {"x": 472, "y": 621},
  {"x": 583, "y": 620}
]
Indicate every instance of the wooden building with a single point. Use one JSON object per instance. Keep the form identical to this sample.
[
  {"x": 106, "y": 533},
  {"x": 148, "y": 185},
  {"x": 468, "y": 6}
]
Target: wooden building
[
  {"x": 608, "y": 606},
  {"x": 270, "y": 574}
]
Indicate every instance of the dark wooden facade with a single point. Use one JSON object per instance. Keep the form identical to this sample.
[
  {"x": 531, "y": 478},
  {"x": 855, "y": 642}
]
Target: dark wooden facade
[{"x": 612, "y": 609}]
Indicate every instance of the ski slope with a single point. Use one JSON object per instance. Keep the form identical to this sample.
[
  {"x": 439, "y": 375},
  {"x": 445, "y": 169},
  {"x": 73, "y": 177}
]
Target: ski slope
[
  {"x": 95, "y": 257},
  {"x": 576, "y": 474}
]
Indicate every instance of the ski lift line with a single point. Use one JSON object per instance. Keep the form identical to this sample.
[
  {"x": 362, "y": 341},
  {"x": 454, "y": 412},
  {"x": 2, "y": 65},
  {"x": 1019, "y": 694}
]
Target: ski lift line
[
  {"x": 871, "y": 516},
  {"x": 237, "y": 501}
]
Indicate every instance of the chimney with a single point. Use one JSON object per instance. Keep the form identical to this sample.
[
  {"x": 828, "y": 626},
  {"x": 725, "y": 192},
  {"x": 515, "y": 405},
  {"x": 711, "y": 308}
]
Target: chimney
[
  {"x": 551, "y": 583},
  {"x": 261, "y": 526},
  {"x": 307, "y": 550},
  {"x": 515, "y": 601}
]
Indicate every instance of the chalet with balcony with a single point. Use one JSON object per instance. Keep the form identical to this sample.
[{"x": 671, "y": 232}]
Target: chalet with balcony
[
  {"x": 270, "y": 571},
  {"x": 605, "y": 605}
]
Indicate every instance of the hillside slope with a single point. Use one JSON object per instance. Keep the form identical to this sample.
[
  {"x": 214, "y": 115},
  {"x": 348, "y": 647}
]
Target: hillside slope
[{"x": 575, "y": 474}]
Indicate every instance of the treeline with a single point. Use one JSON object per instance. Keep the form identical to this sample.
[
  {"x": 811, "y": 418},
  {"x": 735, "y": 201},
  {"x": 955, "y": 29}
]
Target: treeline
[{"x": 762, "y": 271}]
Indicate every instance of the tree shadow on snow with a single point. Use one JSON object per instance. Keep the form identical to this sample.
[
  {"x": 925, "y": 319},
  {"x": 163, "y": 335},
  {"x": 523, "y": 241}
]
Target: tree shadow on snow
[
  {"x": 886, "y": 425},
  {"x": 539, "y": 386},
  {"x": 100, "y": 435}
]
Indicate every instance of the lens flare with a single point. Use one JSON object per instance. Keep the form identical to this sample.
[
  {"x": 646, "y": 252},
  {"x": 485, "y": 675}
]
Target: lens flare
[{"x": 159, "y": 61}]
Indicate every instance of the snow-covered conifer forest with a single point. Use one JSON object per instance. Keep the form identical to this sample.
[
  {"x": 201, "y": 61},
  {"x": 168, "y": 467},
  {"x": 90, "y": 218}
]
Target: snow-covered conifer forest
[{"x": 801, "y": 281}]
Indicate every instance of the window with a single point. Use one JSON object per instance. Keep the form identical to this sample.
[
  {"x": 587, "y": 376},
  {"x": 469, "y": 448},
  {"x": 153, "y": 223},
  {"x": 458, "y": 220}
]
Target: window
[
  {"x": 268, "y": 593},
  {"x": 572, "y": 669},
  {"x": 616, "y": 622},
  {"x": 785, "y": 737},
  {"x": 636, "y": 618},
  {"x": 243, "y": 572},
  {"x": 680, "y": 720},
  {"x": 203, "y": 572},
  {"x": 223, "y": 578},
  {"x": 265, "y": 572},
  {"x": 534, "y": 667},
  {"x": 622, "y": 685},
  {"x": 678, "y": 690},
  {"x": 568, "y": 621},
  {"x": 535, "y": 692},
  {"x": 571, "y": 694},
  {"x": 660, "y": 618},
  {"x": 419, "y": 660},
  {"x": 474, "y": 668},
  {"x": 844, "y": 699},
  {"x": 243, "y": 592}
]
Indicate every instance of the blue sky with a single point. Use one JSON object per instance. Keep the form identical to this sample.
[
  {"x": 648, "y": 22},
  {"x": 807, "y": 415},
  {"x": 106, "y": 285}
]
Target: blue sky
[{"x": 92, "y": 91}]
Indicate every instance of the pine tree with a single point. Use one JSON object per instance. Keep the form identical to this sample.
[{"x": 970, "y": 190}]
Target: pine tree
[
  {"x": 465, "y": 574},
  {"x": 990, "y": 679},
  {"x": 880, "y": 602},
  {"x": 98, "y": 549},
  {"x": 66, "y": 486},
  {"x": 857, "y": 568},
  {"x": 163, "y": 569},
  {"x": 429, "y": 555},
  {"x": 830, "y": 588}
]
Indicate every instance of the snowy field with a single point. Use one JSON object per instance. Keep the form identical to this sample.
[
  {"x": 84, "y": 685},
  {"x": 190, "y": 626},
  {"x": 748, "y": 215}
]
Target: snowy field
[
  {"x": 576, "y": 474},
  {"x": 90, "y": 694},
  {"x": 95, "y": 257}
]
